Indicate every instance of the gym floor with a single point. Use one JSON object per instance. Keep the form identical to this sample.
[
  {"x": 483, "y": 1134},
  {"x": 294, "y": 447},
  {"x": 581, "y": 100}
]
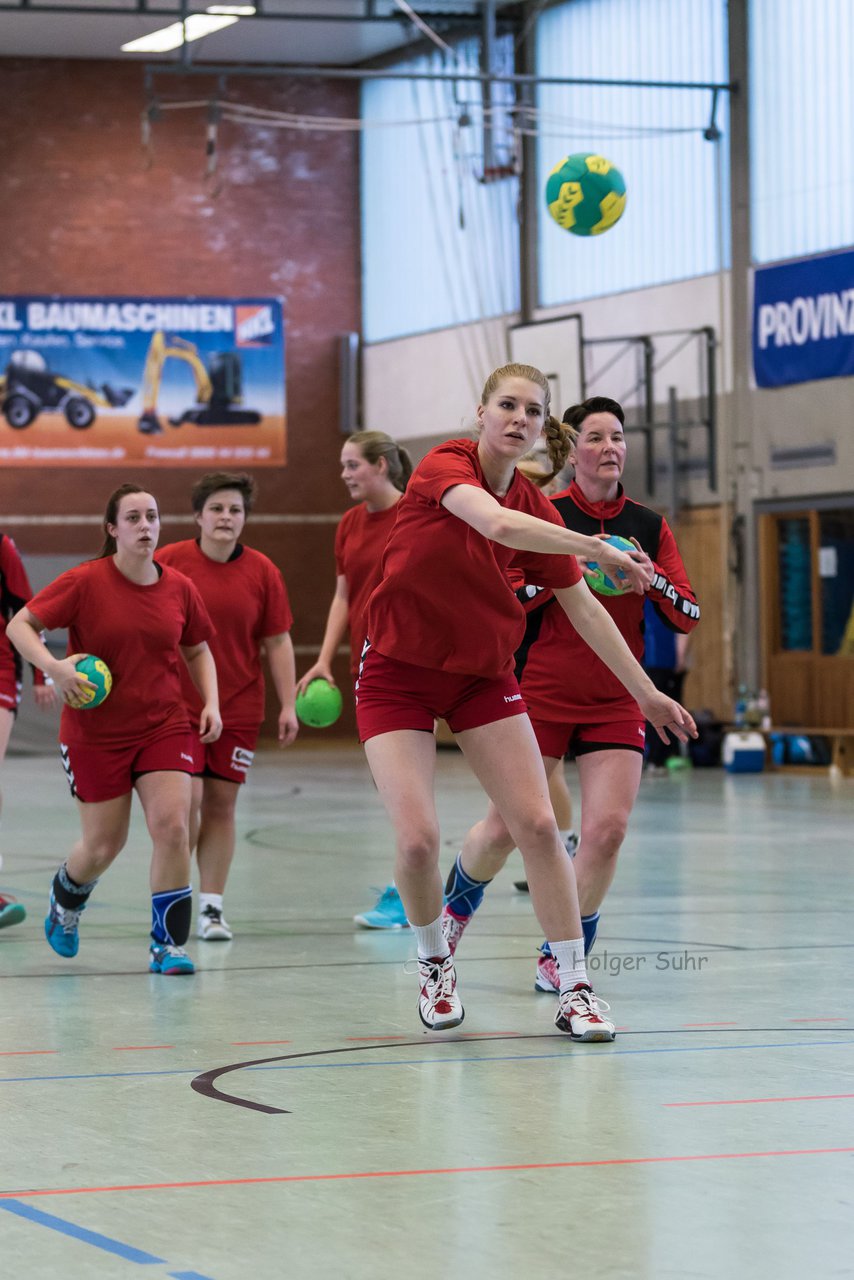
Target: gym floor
[{"x": 283, "y": 1113}]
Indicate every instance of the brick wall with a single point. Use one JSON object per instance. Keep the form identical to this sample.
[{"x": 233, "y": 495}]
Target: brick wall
[{"x": 84, "y": 211}]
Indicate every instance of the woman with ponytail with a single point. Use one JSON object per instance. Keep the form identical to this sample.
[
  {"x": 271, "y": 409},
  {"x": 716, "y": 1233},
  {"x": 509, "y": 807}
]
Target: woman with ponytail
[
  {"x": 375, "y": 469},
  {"x": 443, "y": 626},
  {"x": 578, "y": 707}
]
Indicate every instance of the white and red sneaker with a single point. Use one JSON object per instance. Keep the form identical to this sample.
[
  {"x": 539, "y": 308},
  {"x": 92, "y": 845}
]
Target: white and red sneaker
[
  {"x": 581, "y": 1016},
  {"x": 548, "y": 974},
  {"x": 453, "y": 927},
  {"x": 439, "y": 1006}
]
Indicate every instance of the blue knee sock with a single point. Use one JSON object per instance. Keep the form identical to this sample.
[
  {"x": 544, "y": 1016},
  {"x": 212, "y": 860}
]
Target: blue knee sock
[
  {"x": 463, "y": 895},
  {"x": 589, "y": 925},
  {"x": 170, "y": 916}
]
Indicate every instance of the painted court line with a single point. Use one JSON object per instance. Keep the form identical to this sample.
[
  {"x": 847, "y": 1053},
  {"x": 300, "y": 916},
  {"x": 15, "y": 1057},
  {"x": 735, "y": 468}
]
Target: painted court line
[
  {"x": 127, "y": 1048},
  {"x": 94, "y": 1238},
  {"x": 362, "y": 1175},
  {"x": 737, "y": 1102},
  {"x": 22, "y": 1053},
  {"x": 98, "y": 1241}
]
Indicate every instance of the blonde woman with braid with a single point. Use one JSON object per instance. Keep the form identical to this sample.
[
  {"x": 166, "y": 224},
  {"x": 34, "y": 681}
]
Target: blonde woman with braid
[
  {"x": 443, "y": 626},
  {"x": 375, "y": 470}
]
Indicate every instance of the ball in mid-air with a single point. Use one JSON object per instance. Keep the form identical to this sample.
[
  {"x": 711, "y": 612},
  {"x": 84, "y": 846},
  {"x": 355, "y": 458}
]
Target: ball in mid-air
[
  {"x": 600, "y": 580},
  {"x": 319, "y": 704},
  {"x": 96, "y": 671},
  {"x": 585, "y": 194}
]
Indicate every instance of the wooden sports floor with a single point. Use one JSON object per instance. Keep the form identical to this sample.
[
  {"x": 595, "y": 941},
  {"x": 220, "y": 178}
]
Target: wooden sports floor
[{"x": 283, "y": 1114}]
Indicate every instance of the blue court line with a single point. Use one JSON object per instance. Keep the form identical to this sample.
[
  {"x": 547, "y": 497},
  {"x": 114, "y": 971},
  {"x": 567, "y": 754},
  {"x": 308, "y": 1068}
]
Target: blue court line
[
  {"x": 126, "y": 1251},
  {"x": 438, "y": 1061},
  {"x": 95, "y": 1238}
]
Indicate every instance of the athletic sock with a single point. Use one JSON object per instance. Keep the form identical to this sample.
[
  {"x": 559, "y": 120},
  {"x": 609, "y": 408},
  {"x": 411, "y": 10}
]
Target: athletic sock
[
  {"x": 463, "y": 895},
  {"x": 570, "y": 962},
  {"x": 68, "y": 893},
  {"x": 589, "y": 925},
  {"x": 431, "y": 941},
  {"x": 210, "y": 900},
  {"x": 170, "y": 916}
]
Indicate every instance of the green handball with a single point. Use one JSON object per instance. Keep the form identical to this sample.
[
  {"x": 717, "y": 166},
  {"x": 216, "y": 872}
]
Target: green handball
[
  {"x": 585, "y": 194},
  {"x": 96, "y": 671}
]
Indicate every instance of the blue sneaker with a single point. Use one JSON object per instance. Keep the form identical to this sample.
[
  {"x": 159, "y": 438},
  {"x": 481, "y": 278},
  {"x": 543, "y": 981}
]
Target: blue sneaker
[
  {"x": 173, "y": 961},
  {"x": 60, "y": 928},
  {"x": 11, "y": 912},
  {"x": 387, "y": 914}
]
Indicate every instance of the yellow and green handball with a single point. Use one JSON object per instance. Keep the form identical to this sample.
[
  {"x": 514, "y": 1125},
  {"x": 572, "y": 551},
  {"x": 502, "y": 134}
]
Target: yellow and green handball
[{"x": 585, "y": 194}]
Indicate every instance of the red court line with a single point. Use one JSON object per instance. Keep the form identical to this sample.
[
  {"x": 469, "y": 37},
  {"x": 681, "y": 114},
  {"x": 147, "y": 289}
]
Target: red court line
[
  {"x": 737, "y": 1102},
  {"x": 242, "y": 1042},
  {"x": 420, "y": 1173},
  {"x": 125, "y": 1048},
  {"x": 709, "y": 1024},
  {"x": 16, "y": 1053},
  {"x": 816, "y": 1019}
]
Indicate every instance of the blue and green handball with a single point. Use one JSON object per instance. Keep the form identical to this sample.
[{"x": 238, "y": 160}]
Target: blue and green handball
[
  {"x": 600, "y": 580},
  {"x": 96, "y": 671},
  {"x": 319, "y": 704},
  {"x": 585, "y": 194}
]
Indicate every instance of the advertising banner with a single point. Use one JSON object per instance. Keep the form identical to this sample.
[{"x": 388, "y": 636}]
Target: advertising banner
[
  {"x": 159, "y": 382},
  {"x": 803, "y": 320}
]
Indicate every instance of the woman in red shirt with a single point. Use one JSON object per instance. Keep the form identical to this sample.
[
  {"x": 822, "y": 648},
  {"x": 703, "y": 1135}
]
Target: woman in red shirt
[
  {"x": 443, "y": 626},
  {"x": 375, "y": 470},
  {"x": 145, "y": 622},
  {"x": 14, "y": 592},
  {"x": 247, "y": 600},
  {"x": 577, "y": 706}
]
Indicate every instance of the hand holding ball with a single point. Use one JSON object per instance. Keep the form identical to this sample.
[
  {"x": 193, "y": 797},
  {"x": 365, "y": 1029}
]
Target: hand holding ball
[
  {"x": 319, "y": 704},
  {"x": 98, "y": 673},
  {"x": 600, "y": 580}
]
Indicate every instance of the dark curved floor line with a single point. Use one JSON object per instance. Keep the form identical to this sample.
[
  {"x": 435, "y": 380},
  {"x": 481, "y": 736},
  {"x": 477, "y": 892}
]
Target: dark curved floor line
[{"x": 205, "y": 1083}]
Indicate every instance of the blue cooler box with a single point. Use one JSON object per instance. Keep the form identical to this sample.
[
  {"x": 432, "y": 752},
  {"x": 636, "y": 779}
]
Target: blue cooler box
[{"x": 744, "y": 752}]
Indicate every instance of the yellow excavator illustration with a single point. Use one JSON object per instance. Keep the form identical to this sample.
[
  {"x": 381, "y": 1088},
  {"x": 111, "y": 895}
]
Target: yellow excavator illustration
[
  {"x": 218, "y": 386},
  {"x": 29, "y": 388}
]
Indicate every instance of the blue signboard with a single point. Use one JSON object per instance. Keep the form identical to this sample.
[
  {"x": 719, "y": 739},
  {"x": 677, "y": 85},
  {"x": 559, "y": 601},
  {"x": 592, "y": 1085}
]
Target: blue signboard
[
  {"x": 157, "y": 382},
  {"x": 803, "y": 320}
]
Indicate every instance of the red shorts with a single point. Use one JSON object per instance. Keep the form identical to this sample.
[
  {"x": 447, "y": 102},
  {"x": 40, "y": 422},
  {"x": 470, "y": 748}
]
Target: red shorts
[
  {"x": 10, "y": 689},
  {"x": 556, "y": 739},
  {"x": 105, "y": 773},
  {"x": 394, "y": 695},
  {"x": 229, "y": 758}
]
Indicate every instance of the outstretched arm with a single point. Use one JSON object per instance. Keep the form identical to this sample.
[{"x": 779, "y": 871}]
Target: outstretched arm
[
  {"x": 522, "y": 532},
  {"x": 597, "y": 628}
]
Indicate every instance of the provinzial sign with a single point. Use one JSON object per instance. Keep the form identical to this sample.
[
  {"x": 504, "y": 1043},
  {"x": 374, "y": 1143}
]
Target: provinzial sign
[
  {"x": 803, "y": 320},
  {"x": 160, "y": 382}
]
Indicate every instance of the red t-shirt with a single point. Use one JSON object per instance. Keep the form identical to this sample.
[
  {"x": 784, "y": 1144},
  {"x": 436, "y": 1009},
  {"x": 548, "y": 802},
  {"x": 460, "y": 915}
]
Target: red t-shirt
[
  {"x": 445, "y": 601},
  {"x": 137, "y": 632},
  {"x": 563, "y": 680},
  {"x": 15, "y": 591},
  {"x": 359, "y": 544},
  {"x": 247, "y": 601}
]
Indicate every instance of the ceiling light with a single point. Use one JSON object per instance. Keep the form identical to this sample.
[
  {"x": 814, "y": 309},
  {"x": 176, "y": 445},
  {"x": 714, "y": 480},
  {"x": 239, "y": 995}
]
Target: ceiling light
[
  {"x": 239, "y": 10},
  {"x": 173, "y": 36}
]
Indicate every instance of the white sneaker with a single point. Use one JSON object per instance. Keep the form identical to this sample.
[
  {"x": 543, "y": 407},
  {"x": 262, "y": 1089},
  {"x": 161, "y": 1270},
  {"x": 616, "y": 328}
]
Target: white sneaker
[
  {"x": 439, "y": 1006},
  {"x": 580, "y": 1015},
  {"x": 212, "y": 926}
]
